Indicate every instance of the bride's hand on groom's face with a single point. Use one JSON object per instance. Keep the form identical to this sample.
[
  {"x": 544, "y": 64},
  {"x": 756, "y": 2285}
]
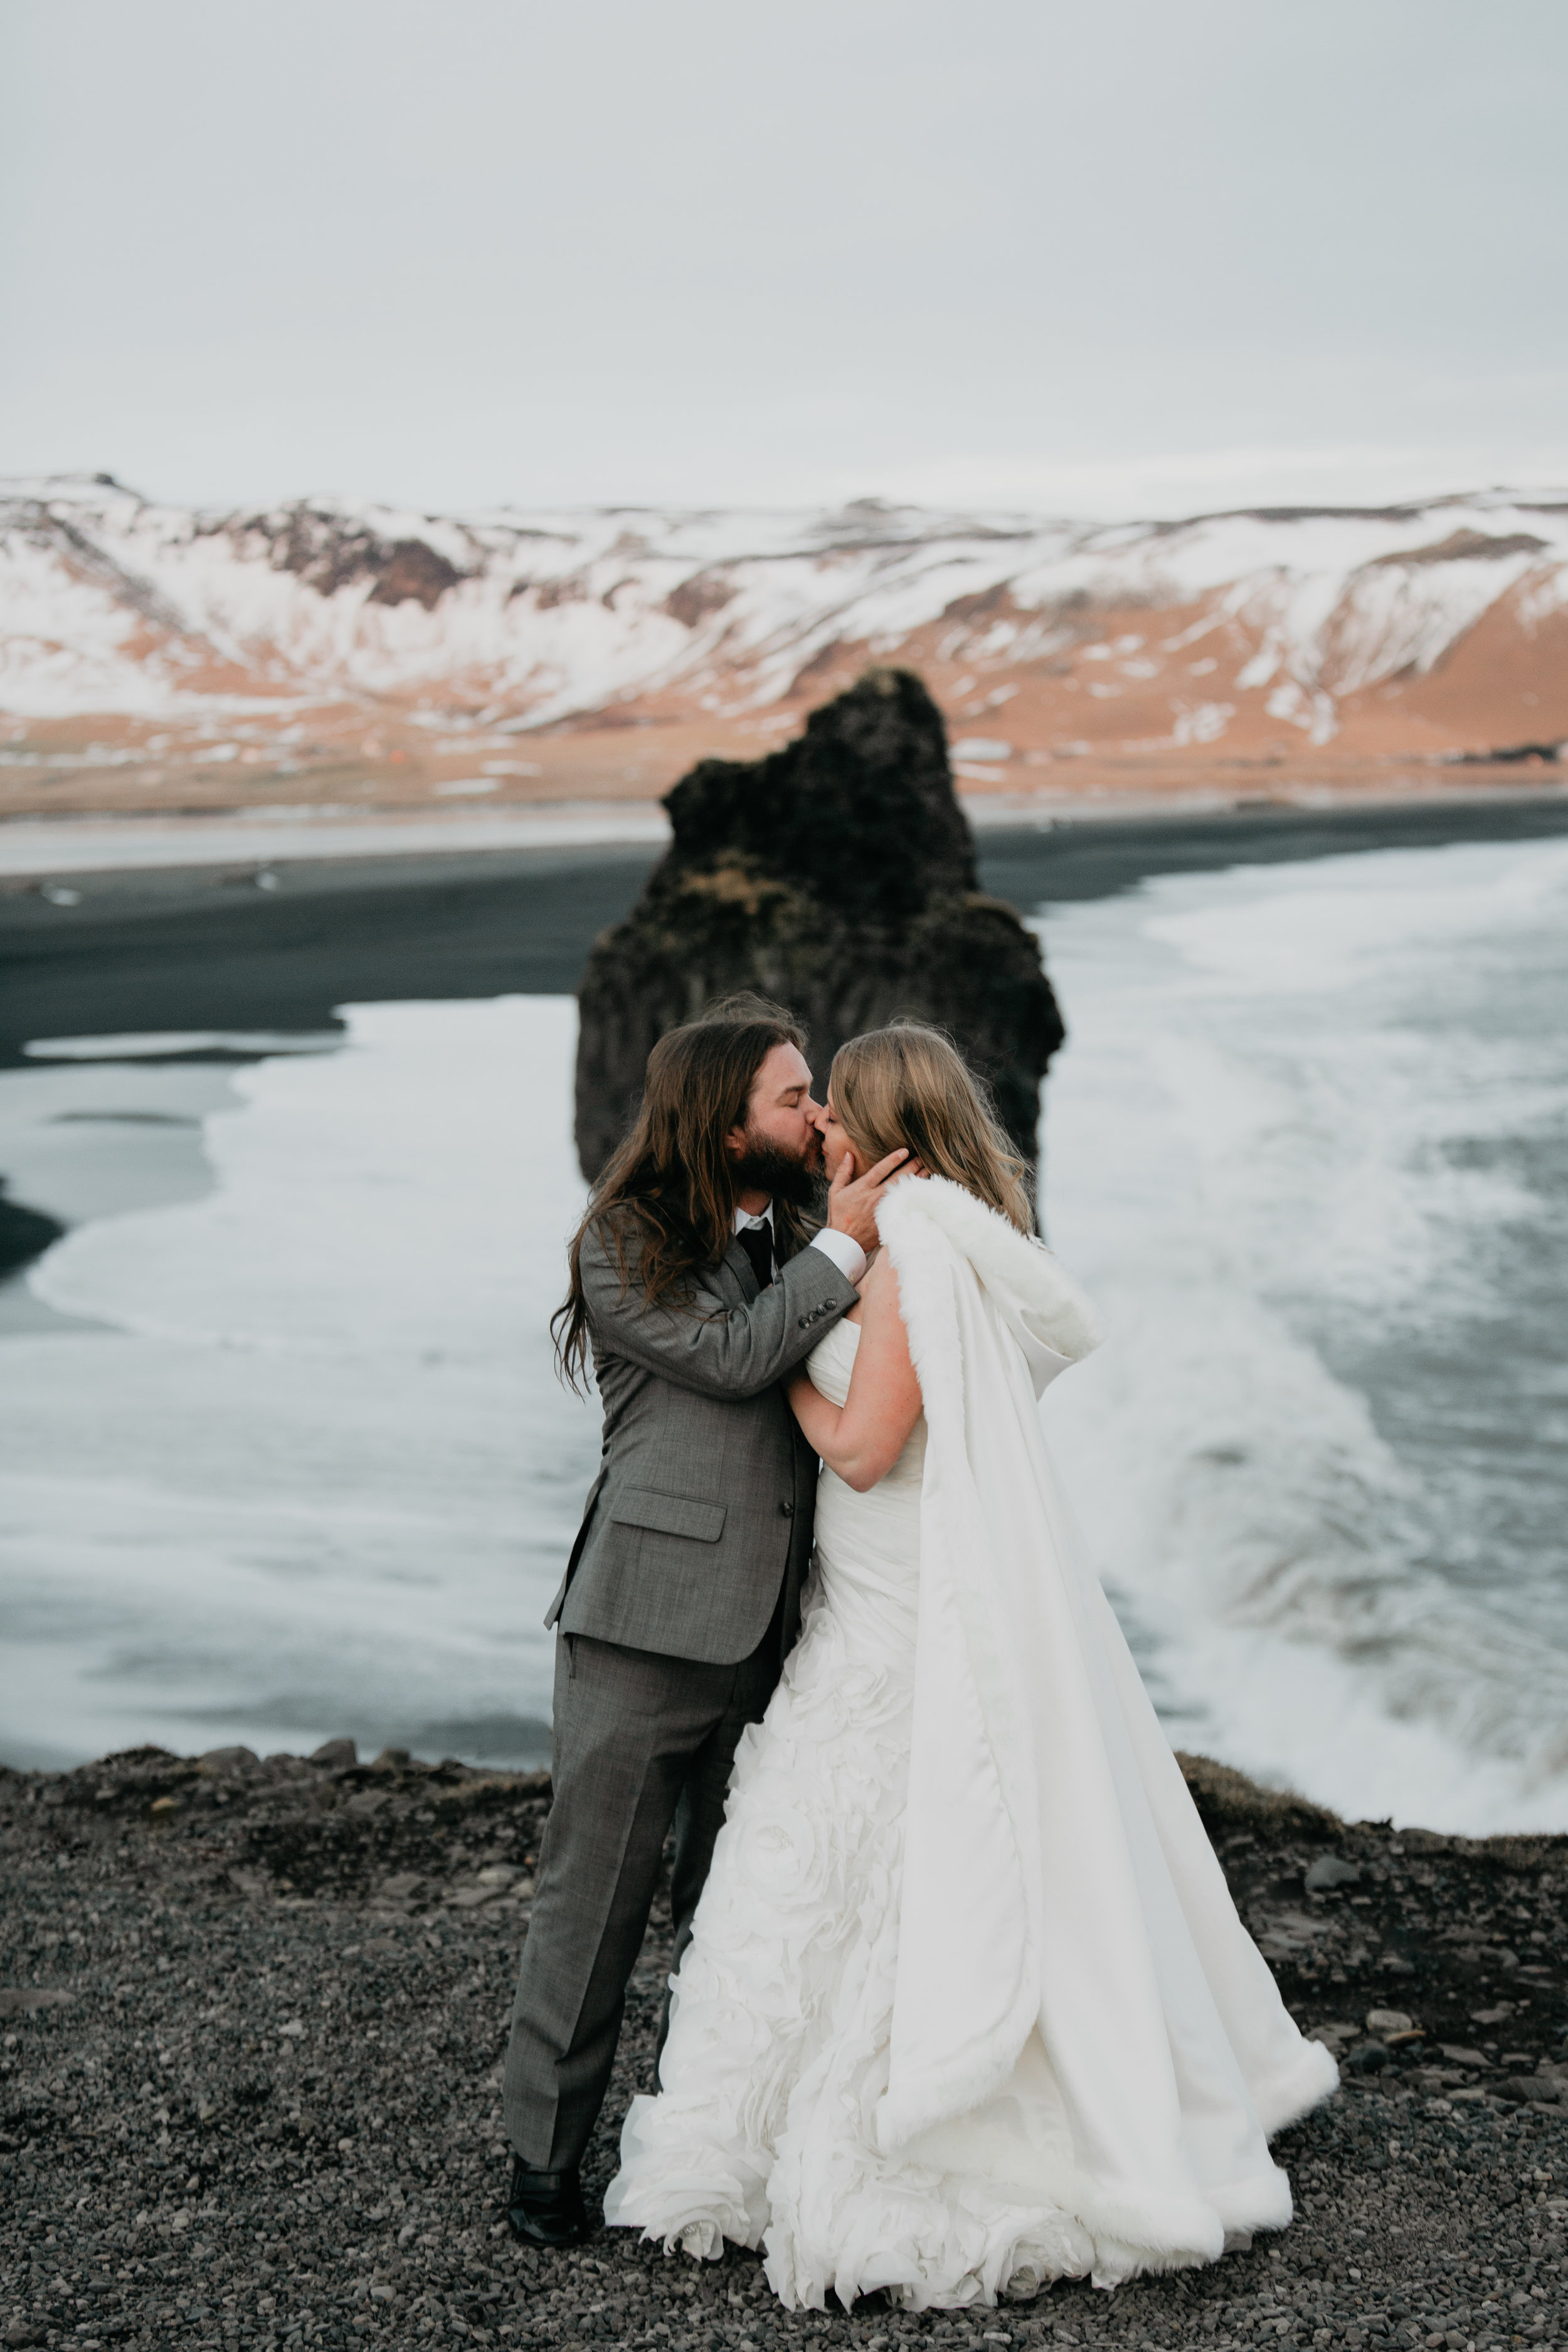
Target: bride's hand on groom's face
[{"x": 852, "y": 1200}]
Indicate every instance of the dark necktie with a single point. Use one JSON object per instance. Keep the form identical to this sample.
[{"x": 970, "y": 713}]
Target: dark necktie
[{"x": 757, "y": 1241}]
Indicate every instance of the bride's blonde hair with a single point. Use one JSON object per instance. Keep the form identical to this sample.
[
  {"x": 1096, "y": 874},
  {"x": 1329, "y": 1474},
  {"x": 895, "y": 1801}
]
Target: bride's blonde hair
[{"x": 910, "y": 1085}]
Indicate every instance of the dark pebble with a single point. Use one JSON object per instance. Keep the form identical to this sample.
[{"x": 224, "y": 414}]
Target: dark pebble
[{"x": 252, "y": 2063}]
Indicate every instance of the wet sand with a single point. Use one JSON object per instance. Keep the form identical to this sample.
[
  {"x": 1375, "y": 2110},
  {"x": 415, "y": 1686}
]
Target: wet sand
[{"x": 279, "y": 946}]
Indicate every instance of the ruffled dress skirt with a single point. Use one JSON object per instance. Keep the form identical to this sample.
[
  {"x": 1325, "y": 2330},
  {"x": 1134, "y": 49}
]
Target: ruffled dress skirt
[{"x": 763, "y": 2129}]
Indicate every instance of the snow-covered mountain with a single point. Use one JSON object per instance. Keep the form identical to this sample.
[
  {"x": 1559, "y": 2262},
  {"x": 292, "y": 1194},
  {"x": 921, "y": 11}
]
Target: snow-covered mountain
[{"x": 149, "y": 652}]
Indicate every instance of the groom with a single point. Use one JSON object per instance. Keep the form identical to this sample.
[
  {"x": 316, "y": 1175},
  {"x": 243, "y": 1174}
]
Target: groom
[{"x": 697, "y": 1285}]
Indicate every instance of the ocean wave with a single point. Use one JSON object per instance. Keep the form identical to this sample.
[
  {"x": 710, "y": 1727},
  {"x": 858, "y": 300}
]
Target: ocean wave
[{"x": 1316, "y": 1193}]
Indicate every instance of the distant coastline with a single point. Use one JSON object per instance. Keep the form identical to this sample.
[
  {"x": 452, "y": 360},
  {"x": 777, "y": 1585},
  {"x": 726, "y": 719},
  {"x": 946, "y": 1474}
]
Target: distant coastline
[
  {"x": 36, "y": 845},
  {"x": 150, "y": 926}
]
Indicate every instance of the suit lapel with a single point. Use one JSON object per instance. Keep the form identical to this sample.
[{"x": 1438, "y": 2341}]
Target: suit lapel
[
  {"x": 735, "y": 1261},
  {"x": 737, "y": 1265}
]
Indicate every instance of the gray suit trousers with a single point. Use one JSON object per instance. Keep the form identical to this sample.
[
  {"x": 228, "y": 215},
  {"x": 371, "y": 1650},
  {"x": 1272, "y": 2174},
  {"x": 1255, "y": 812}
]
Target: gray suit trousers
[{"x": 641, "y": 1741}]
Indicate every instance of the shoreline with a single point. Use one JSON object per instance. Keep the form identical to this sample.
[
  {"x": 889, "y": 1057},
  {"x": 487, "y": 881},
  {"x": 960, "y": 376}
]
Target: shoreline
[
  {"x": 214, "y": 1972},
  {"x": 267, "y": 943},
  {"x": 33, "y": 846}
]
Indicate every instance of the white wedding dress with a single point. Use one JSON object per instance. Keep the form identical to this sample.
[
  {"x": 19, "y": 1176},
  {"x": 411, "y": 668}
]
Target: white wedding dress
[{"x": 909, "y": 2046}]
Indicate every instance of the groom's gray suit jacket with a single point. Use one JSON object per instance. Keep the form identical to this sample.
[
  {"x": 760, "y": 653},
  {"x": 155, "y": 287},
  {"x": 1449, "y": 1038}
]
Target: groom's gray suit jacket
[{"x": 703, "y": 1507}]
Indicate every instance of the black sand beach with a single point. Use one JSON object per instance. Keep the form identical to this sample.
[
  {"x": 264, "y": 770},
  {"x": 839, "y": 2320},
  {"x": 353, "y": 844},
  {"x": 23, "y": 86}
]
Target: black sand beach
[
  {"x": 254, "y": 2014},
  {"x": 278, "y": 947}
]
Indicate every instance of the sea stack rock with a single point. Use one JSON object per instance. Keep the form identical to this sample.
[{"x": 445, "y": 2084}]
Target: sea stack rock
[{"x": 837, "y": 877}]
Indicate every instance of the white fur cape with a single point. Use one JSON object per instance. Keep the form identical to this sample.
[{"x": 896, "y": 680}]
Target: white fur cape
[{"x": 1057, "y": 1873}]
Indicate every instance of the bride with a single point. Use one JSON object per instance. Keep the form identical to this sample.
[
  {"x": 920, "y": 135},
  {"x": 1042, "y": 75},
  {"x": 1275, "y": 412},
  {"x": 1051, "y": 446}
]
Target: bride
[{"x": 967, "y": 2007}]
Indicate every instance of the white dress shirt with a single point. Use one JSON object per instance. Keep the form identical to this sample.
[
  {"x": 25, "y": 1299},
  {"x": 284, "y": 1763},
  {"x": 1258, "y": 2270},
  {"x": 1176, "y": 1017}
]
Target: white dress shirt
[{"x": 847, "y": 1256}]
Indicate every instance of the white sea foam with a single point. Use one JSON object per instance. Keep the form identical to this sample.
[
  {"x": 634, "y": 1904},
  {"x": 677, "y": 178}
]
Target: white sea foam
[
  {"x": 1306, "y": 1145},
  {"x": 316, "y": 1472},
  {"x": 301, "y": 1464}
]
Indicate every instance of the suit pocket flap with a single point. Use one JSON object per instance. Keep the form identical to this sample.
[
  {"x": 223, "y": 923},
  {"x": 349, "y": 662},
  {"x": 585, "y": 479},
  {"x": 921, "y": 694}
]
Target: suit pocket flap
[{"x": 669, "y": 1515}]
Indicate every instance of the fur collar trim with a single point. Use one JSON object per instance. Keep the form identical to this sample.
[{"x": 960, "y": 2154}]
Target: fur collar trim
[{"x": 1020, "y": 1272}]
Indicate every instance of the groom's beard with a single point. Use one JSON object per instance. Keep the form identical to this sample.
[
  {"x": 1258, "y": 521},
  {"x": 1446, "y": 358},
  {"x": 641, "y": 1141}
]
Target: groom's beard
[{"x": 765, "y": 1167}]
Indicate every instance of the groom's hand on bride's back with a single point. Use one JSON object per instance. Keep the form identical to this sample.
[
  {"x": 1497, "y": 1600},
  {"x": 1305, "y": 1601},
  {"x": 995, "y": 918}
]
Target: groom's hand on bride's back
[{"x": 852, "y": 1200}]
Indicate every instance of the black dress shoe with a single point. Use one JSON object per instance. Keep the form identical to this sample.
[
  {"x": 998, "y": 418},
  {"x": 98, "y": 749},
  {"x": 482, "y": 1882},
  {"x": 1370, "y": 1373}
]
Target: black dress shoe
[{"x": 546, "y": 2209}]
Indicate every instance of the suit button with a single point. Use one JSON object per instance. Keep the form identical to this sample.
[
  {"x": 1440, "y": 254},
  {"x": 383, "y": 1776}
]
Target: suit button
[{"x": 787, "y": 1510}]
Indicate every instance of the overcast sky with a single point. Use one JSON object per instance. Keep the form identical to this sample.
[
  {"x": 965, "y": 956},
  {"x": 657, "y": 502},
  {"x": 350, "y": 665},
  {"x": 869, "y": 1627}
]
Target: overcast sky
[{"x": 1130, "y": 256}]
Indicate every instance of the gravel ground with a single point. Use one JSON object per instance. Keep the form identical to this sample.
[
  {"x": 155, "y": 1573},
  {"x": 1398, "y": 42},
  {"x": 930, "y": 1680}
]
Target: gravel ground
[{"x": 253, "y": 2016}]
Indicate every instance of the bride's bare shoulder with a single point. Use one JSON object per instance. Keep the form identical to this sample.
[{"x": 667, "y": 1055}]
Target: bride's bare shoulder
[
  {"x": 879, "y": 1291},
  {"x": 880, "y": 1278}
]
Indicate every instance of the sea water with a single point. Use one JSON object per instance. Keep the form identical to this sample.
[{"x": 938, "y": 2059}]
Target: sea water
[
  {"x": 1309, "y": 1147},
  {"x": 290, "y": 1459},
  {"x": 286, "y": 1456}
]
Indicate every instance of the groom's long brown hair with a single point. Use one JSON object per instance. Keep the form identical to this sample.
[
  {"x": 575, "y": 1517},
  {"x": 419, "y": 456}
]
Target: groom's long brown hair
[{"x": 666, "y": 1199}]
